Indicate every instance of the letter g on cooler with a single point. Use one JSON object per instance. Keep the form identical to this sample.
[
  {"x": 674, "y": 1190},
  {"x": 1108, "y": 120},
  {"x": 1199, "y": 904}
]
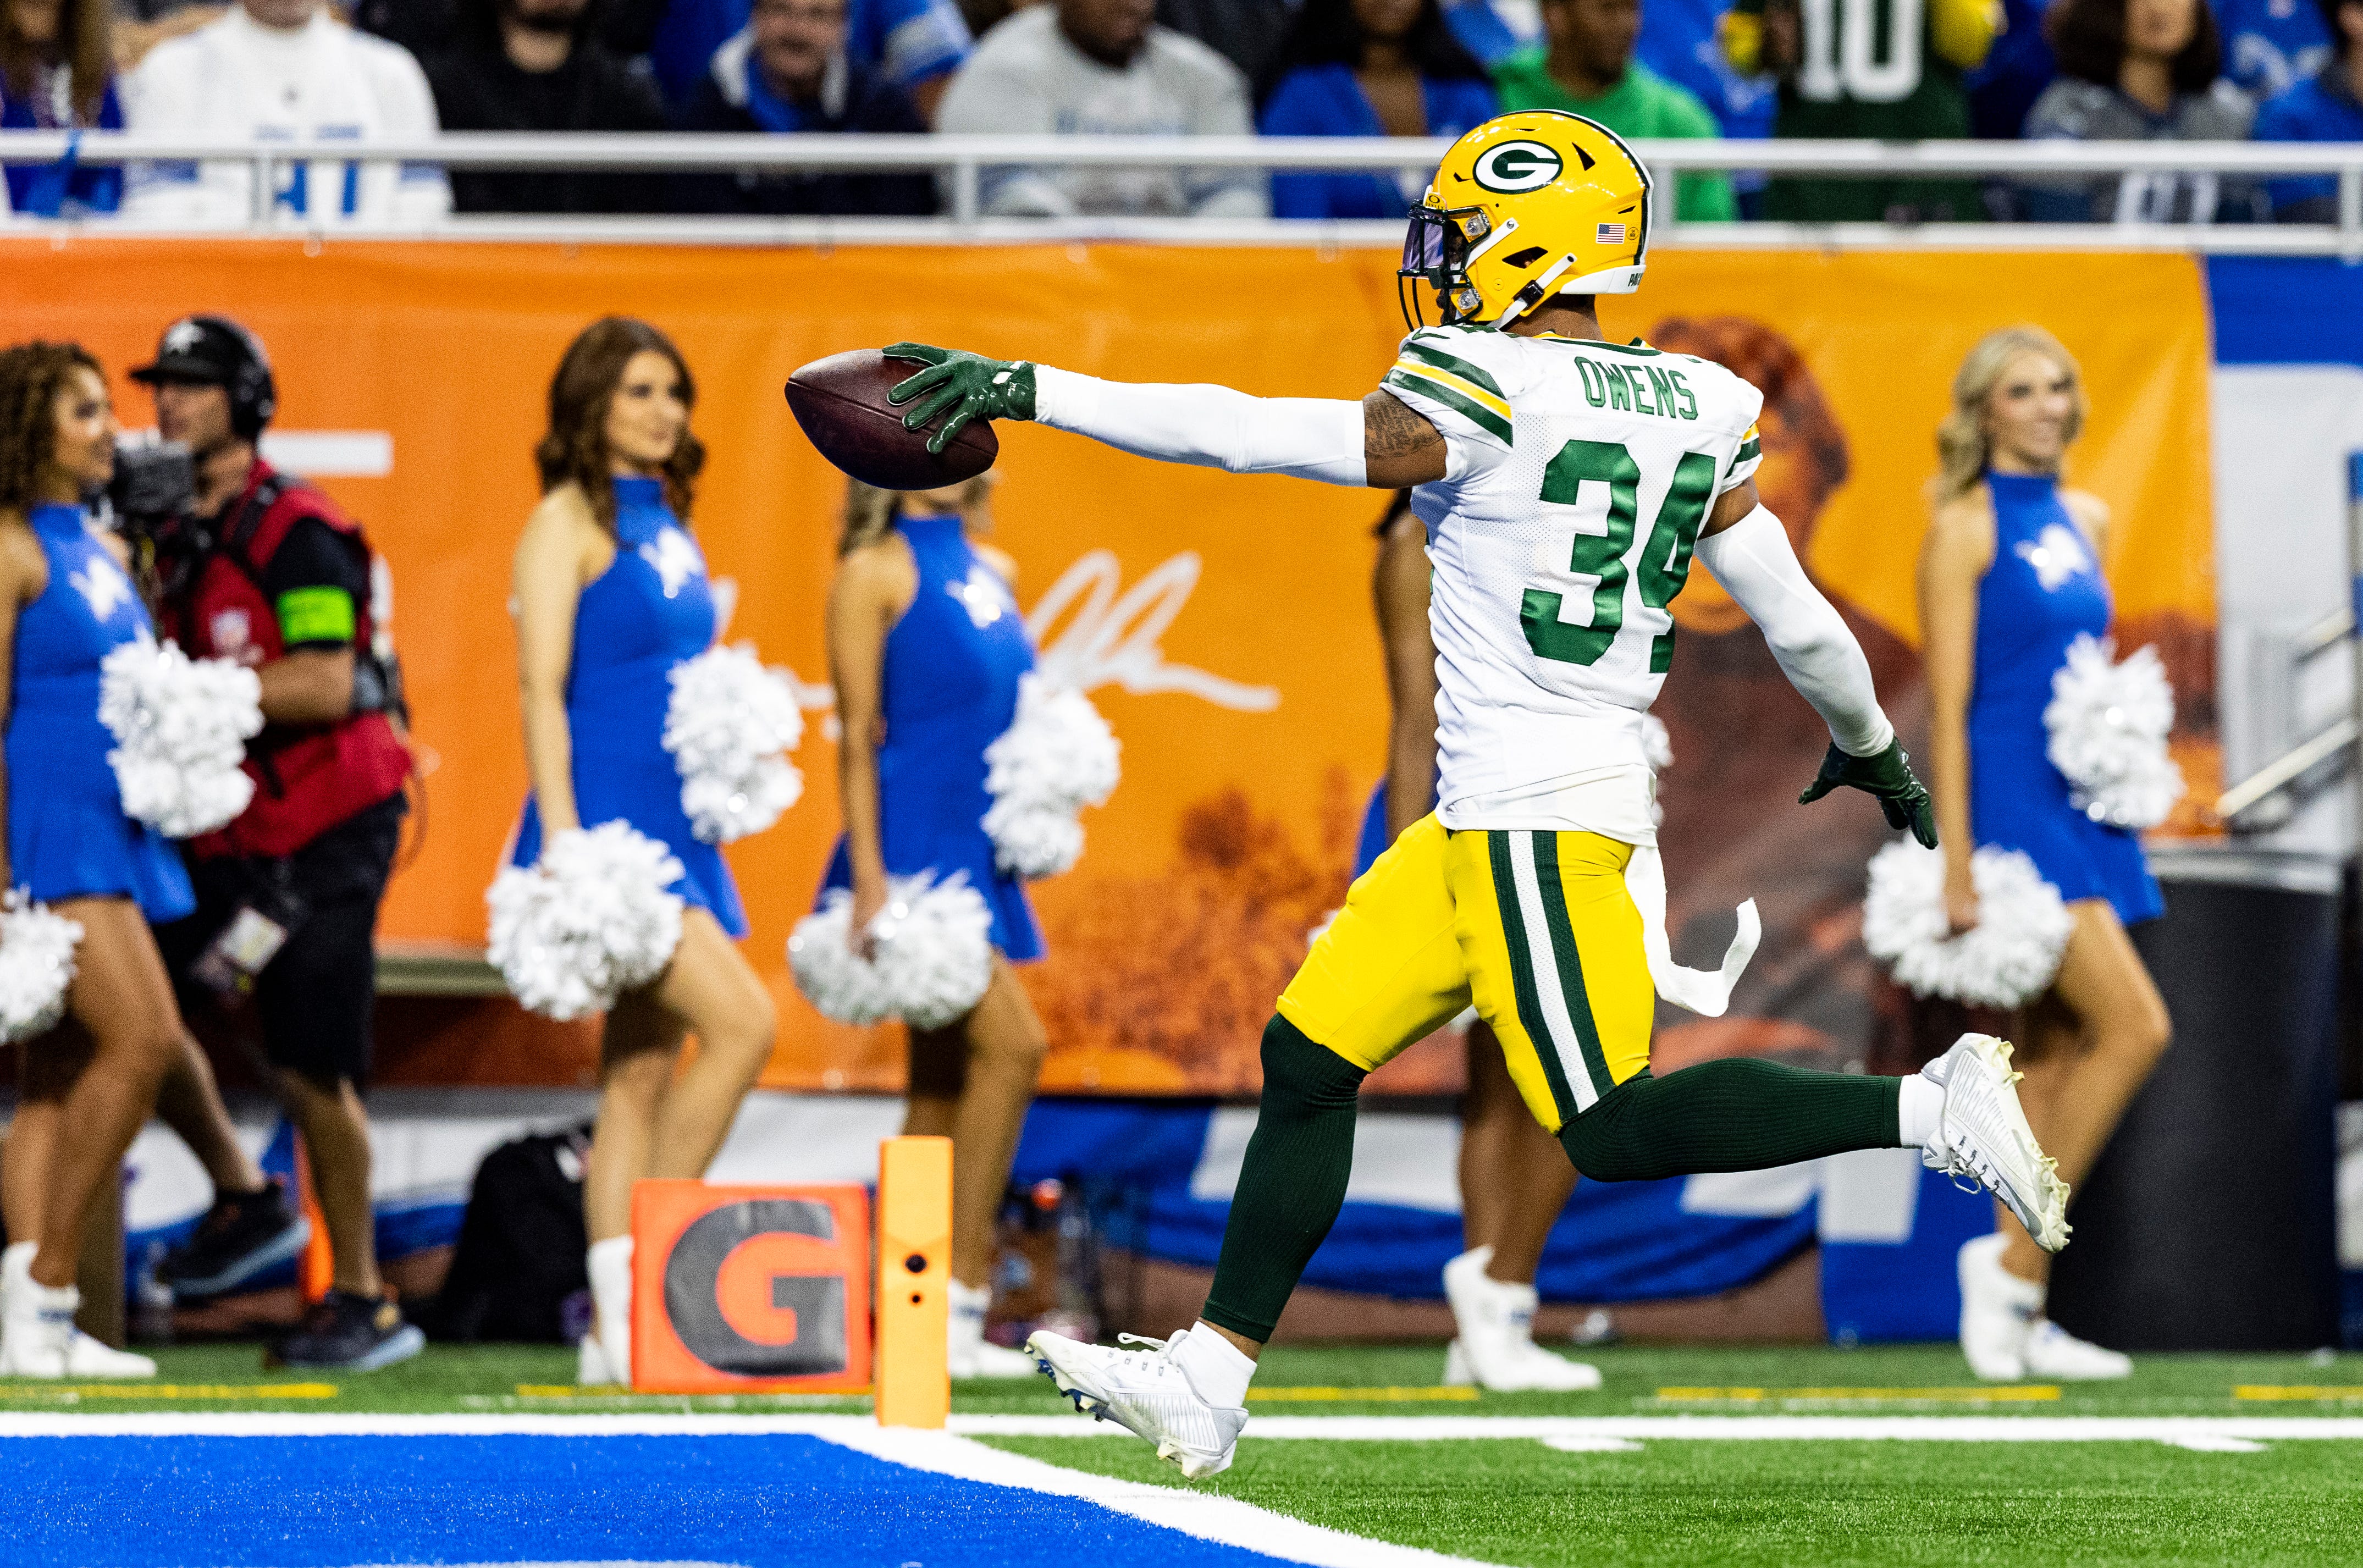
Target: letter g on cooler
[{"x": 750, "y": 1289}]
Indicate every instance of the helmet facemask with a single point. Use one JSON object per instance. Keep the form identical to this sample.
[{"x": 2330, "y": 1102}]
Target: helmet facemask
[{"x": 1438, "y": 247}]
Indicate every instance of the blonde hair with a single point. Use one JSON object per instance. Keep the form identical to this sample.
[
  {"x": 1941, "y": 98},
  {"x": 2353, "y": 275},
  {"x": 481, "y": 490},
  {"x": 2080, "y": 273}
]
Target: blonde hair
[
  {"x": 1963, "y": 448},
  {"x": 869, "y": 511}
]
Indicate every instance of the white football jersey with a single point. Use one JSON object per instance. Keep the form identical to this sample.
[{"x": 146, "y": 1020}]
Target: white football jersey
[
  {"x": 235, "y": 79},
  {"x": 1579, "y": 475}
]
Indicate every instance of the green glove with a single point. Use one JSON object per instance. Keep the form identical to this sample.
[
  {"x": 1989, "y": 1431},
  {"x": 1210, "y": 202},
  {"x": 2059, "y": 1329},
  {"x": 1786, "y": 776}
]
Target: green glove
[
  {"x": 971, "y": 385},
  {"x": 1887, "y": 777}
]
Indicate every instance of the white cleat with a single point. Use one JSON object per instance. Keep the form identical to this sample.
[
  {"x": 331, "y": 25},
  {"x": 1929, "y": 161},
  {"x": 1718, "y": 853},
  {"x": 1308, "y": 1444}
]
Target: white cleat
[
  {"x": 36, "y": 1323},
  {"x": 2054, "y": 1354},
  {"x": 967, "y": 1352},
  {"x": 985, "y": 1358},
  {"x": 86, "y": 1357},
  {"x": 1983, "y": 1135},
  {"x": 1534, "y": 1370},
  {"x": 1496, "y": 1347},
  {"x": 1146, "y": 1394},
  {"x": 1997, "y": 1310},
  {"x": 591, "y": 1363}
]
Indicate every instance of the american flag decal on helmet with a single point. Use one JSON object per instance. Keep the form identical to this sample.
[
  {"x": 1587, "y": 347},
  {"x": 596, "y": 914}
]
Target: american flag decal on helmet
[{"x": 1612, "y": 234}]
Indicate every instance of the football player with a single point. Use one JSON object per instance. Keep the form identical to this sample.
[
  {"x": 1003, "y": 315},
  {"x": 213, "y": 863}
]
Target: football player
[{"x": 1565, "y": 483}]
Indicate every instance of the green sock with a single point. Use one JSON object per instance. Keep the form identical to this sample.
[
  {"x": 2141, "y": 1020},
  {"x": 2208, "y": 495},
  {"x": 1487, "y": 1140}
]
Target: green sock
[
  {"x": 1736, "y": 1114},
  {"x": 1292, "y": 1183}
]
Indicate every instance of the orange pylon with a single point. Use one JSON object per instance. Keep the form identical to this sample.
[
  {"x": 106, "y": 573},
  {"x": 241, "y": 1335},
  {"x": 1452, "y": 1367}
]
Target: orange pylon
[{"x": 315, "y": 1270}]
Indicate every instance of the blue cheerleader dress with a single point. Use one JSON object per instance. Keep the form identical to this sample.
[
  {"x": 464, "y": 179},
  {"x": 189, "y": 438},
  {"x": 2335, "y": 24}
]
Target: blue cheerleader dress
[
  {"x": 2042, "y": 591},
  {"x": 648, "y": 611},
  {"x": 68, "y": 835},
  {"x": 952, "y": 667}
]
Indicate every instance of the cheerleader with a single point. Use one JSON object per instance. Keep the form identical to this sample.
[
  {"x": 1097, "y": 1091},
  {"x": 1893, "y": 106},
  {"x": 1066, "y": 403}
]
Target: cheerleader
[
  {"x": 611, "y": 594},
  {"x": 925, "y": 646},
  {"x": 2010, "y": 576},
  {"x": 1515, "y": 1178},
  {"x": 65, "y": 603}
]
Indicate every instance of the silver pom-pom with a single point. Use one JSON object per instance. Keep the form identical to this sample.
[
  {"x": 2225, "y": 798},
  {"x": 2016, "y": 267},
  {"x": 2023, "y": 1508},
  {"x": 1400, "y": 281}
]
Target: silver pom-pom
[
  {"x": 37, "y": 964},
  {"x": 729, "y": 725},
  {"x": 931, "y": 947},
  {"x": 1056, "y": 757},
  {"x": 590, "y": 921},
  {"x": 2109, "y": 724},
  {"x": 2005, "y": 960},
  {"x": 181, "y": 727}
]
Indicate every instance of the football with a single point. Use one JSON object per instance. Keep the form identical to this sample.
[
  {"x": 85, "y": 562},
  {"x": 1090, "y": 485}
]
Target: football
[{"x": 841, "y": 404}]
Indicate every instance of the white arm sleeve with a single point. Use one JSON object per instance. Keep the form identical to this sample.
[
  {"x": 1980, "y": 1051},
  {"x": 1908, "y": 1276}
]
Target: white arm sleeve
[
  {"x": 1755, "y": 562},
  {"x": 1211, "y": 426}
]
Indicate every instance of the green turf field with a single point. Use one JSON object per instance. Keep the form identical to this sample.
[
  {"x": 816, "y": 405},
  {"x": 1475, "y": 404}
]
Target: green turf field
[
  {"x": 1355, "y": 1380},
  {"x": 1792, "y": 1499}
]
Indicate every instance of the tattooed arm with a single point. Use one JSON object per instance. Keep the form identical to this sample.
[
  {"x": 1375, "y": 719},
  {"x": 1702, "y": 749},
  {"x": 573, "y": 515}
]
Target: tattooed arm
[{"x": 1399, "y": 448}]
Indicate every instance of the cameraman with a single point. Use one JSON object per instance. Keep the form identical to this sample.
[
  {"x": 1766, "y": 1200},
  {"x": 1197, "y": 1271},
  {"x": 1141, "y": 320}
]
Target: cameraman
[{"x": 267, "y": 571}]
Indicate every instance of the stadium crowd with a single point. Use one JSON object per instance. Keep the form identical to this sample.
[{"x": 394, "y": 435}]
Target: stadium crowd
[{"x": 2107, "y": 70}]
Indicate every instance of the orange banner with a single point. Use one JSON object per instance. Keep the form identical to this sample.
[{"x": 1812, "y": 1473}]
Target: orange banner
[{"x": 1225, "y": 621}]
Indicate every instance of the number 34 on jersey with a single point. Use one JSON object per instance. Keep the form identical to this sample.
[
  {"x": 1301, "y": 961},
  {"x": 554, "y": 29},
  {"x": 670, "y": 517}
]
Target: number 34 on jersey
[{"x": 1580, "y": 476}]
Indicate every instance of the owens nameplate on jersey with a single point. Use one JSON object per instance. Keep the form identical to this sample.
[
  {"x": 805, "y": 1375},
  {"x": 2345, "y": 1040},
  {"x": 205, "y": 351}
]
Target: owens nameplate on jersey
[{"x": 1643, "y": 389}]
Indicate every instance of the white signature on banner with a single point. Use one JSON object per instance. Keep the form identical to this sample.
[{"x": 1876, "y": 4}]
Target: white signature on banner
[
  {"x": 1112, "y": 637},
  {"x": 1109, "y": 638}
]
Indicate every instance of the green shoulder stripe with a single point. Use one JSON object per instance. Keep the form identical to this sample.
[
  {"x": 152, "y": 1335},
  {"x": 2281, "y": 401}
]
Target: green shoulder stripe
[
  {"x": 1460, "y": 367},
  {"x": 1476, "y": 413},
  {"x": 1749, "y": 453}
]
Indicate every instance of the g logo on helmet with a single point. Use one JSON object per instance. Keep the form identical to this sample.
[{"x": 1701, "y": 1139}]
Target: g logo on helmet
[{"x": 1516, "y": 166}]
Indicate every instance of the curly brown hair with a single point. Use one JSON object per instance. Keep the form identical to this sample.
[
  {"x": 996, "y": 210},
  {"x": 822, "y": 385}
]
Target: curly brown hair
[
  {"x": 32, "y": 376},
  {"x": 576, "y": 445}
]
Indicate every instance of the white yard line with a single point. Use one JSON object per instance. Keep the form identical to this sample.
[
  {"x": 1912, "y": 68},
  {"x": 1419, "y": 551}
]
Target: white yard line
[{"x": 1201, "y": 1514}]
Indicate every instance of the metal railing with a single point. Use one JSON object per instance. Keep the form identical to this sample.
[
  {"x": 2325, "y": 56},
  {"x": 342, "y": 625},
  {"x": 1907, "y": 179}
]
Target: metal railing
[{"x": 962, "y": 164}]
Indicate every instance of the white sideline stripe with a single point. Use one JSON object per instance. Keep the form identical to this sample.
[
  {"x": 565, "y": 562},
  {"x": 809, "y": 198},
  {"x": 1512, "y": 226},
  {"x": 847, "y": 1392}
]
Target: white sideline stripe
[
  {"x": 1225, "y": 1520},
  {"x": 854, "y": 1430},
  {"x": 2180, "y": 1430}
]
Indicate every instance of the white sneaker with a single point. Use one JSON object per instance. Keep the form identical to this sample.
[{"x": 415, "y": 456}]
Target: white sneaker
[
  {"x": 967, "y": 1352},
  {"x": 1536, "y": 1368},
  {"x": 590, "y": 1362},
  {"x": 86, "y": 1357},
  {"x": 1144, "y": 1392},
  {"x": 609, "y": 1265},
  {"x": 1496, "y": 1348},
  {"x": 2052, "y": 1352},
  {"x": 1998, "y": 1311},
  {"x": 36, "y": 1323},
  {"x": 1983, "y": 1135}
]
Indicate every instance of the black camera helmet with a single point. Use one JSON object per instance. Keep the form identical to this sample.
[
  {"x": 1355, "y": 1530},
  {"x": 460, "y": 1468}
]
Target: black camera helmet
[{"x": 217, "y": 351}]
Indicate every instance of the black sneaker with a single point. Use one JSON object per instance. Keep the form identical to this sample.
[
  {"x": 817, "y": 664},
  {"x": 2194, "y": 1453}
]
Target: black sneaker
[
  {"x": 351, "y": 1333},
  {"x": 241, "y": 1236}
]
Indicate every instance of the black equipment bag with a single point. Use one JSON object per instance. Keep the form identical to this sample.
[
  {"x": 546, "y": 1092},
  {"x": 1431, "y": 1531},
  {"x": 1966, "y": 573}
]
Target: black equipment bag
[{"x": 517, "y": 1272}]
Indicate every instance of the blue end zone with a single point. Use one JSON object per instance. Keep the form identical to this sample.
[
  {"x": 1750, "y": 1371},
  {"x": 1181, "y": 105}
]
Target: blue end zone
[{"x": 764, "y": 1501}]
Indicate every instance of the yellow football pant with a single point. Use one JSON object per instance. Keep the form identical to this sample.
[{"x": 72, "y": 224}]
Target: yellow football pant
[{"x": 1535, "y": 928}]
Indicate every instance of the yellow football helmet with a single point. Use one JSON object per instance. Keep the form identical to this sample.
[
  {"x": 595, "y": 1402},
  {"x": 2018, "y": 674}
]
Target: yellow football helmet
[{"x": 1525, "y": 206}]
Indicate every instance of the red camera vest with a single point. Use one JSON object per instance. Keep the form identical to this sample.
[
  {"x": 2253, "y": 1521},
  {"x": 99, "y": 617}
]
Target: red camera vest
[{"x": 307, "y": 777}]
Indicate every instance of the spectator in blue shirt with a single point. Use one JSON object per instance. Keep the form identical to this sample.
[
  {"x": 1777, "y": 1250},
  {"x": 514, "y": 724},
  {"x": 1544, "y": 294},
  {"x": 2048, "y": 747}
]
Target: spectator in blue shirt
[
  {"x": 2326, "y": 106},
  {"x": 788, "y": 72},
  {"x": 2272, "y": 45},
  {"x": 1681, "y": 41},
  {"x": 914, "y": 45},
  {"x": 1370, "y": 67},
  {"x": 56, "y": 75}
]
